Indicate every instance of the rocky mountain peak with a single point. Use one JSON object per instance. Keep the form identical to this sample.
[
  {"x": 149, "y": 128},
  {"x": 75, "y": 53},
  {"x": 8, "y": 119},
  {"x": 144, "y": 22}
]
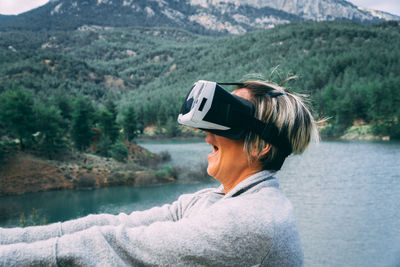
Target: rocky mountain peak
[{"x": 201, "y": 16}]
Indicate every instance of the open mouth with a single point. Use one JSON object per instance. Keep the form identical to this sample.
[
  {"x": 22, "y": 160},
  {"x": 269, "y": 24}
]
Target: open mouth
[{"x": 214, "y": 150}]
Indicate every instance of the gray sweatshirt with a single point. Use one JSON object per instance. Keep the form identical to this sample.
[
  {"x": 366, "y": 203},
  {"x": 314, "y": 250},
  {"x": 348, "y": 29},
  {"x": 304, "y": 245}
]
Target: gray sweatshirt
[{"x": 251, "y": 225}]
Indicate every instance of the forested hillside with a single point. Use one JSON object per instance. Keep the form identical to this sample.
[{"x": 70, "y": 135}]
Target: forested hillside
[{"x": 351, "y": 72}]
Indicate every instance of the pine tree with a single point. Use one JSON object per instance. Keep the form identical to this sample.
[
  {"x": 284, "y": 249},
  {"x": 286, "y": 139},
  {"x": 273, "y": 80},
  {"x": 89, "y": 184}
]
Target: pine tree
[
  {"x": 50, "y": 126},
  {"x": 82, "y": 121},
  {"x": 17, "y": 115},
  {"x": 129, "y": 123},
  {"x": 108, "y": 121},
  {"x": 65, "y": 105},
  {"x": 172, "y": 127}
]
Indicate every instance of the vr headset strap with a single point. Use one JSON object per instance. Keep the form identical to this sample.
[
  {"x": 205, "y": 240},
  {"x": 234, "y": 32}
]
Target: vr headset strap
[
  {"x": 270, "y": 133},
  {"x": 267, "y": 131}
]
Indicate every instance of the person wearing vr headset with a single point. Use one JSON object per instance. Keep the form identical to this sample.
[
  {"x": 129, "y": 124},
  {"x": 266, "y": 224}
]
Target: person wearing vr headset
[{"x": 246, "y": 221}]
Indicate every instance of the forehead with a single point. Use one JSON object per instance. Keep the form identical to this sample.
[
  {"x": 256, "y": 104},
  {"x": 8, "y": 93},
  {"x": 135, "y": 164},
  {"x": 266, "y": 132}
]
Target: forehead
[{"x": 243, "y": 93}]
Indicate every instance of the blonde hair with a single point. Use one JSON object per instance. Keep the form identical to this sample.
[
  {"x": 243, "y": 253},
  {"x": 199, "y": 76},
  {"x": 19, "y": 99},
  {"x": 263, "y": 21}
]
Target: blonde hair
[{"x": 273, "y": 104}]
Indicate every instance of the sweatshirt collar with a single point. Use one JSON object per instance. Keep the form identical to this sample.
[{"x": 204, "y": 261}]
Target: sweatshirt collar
[{"x": 265, "y": 177}]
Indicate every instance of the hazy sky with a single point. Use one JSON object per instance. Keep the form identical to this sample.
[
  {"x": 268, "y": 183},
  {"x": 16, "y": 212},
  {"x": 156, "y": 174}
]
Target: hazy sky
[
  {"x": 13, "y": 7},
  {"x": 19, "y": 6}
]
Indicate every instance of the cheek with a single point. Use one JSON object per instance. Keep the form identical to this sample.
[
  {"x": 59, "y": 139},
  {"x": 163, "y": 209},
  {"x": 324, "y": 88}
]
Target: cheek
[
  {"x": 234, "y": 157},
  {"x": 217, "y": 162},
  {"x": 230, "y": 157}
]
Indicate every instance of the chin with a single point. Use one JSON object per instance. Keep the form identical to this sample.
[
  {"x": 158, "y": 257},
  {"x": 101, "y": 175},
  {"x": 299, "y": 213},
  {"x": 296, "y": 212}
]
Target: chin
[{"x": 210, "y": 171}]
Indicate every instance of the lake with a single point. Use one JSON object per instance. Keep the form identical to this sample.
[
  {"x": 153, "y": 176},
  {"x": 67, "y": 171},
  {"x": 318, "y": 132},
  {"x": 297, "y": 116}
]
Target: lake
[{"x": 346, "y": 197}]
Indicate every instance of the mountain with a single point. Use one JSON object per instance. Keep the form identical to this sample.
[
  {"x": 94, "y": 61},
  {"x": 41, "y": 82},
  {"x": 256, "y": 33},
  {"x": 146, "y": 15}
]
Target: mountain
[
  {"x": 351, "y": 71},
  {"x": 317, "y": 9},
  {"x": 381, "y": 14},
  {"x": 5, "y": 17},
  {"x": 199, "y": 16}
]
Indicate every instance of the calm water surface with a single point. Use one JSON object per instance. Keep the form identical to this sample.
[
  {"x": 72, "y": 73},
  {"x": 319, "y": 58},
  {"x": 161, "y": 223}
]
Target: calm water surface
[{"x": 346, "y": 197}]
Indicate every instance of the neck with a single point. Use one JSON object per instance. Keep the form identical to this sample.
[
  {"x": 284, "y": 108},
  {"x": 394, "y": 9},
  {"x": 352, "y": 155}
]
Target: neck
[{"x": 229, "y": 182}]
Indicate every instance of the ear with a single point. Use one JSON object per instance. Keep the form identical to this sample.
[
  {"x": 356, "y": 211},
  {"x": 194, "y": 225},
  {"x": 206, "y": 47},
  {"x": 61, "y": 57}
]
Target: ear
[{"x": 264, "y": 152}]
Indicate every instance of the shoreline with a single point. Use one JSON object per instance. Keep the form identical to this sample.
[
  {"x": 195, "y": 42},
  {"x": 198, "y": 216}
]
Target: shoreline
[
  {"x": 24, "y": 172},
  {"x": 344, "y": 137}
]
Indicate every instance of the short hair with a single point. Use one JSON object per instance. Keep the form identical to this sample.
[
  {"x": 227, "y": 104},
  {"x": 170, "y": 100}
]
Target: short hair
[{"x": 287, "y": 110}]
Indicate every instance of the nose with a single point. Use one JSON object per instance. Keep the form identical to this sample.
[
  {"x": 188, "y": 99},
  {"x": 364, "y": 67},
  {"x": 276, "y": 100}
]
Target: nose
[{"x": 209, "y": 137}]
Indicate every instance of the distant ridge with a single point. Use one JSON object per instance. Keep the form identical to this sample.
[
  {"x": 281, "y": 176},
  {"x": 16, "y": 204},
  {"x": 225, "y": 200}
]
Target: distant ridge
[
  {"x": 5, "y": 17},
  {"x": 199, "y": 16}
]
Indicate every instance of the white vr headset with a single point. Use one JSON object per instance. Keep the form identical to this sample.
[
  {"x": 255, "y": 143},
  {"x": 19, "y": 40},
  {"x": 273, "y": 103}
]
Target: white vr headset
[{"x": 210, "y": 107}]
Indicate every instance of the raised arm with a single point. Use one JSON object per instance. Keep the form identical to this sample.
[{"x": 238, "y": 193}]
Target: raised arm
[
  {"x": 168, "y": 212},
  {"x": 212, "y": 238}
]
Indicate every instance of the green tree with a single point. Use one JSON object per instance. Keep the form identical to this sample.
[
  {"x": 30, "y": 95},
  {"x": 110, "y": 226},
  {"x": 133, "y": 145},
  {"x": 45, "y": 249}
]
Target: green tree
[
  {"x": 104, "y": 146},
  {"x": 82, "y": 122},
  {"x": 2, "y": 154},
  {"x": 172, "y": 127},
  {"x": 50, "y": 126},
  {"x": 112, "y": 108},
  {"x": 108, "y": 121},
  {"x": 129, "y": 123},
  {"x": 65, "y": 105},
  {"x": 140, "y": 121},
  {"x": 17, "y": 115}
]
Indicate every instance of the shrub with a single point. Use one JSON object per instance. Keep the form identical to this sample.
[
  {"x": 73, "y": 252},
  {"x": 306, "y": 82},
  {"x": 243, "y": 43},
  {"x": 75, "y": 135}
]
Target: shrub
[
  {"x": 33, "y": 221},
  {"x": 119, "y": 151},
  {"x": 85, "y": 181},
  {"x": 173, "y": 128},
  {"x": 104, "y": 146},
  {"x": 165, "y": 155},
  {"x": 172, "y": 171}
]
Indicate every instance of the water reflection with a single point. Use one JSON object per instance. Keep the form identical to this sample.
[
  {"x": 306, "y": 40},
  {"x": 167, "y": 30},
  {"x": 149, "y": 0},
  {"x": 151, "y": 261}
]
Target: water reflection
[{"x": 346, "y": 197}]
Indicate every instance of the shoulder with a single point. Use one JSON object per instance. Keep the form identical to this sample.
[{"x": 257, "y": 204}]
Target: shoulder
[
  {"x": 275, "y": 212},
  {"x": 266, "y": 219},
  {"x": 185, "y": 198},
  {"x": 268, "y": 203},
  {"x": 195, "y": 202},
  {"x": 254, "y": 214},
  {"x": 255, "y": 225}
]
